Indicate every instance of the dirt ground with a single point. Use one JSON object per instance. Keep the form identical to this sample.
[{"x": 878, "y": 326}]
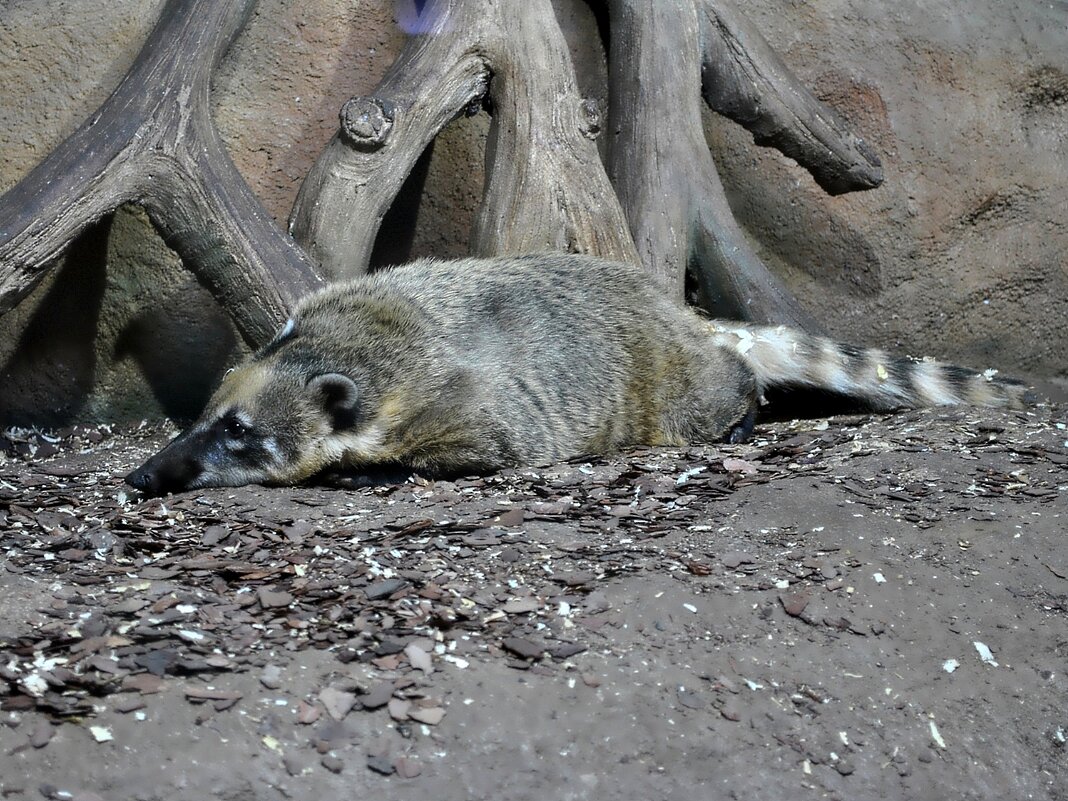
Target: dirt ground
[{"x": 855, "y": 608}]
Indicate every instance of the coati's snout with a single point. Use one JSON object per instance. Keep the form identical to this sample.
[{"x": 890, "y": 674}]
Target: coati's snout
[
  {"x": 173, "y": 469},
  {"x": 263, "y": 426},
  {"x": 222, "y": 450}
]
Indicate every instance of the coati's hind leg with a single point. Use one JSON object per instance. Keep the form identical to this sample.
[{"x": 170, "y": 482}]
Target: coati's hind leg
[
  {"x": 743, "y": 429},
  {"x": 724, "y": 398},
  {"x": 454, "y": 437}
]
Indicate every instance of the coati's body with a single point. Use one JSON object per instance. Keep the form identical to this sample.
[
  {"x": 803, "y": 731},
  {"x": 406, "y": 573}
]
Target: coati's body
[{"x": 447, "y": 368}]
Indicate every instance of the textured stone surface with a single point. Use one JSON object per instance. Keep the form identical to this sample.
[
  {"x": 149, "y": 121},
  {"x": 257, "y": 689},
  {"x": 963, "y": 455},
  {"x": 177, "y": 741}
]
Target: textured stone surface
[{"x": 961, "y": 253}]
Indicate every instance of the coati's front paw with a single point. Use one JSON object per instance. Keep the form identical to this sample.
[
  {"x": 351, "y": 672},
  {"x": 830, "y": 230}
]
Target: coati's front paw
[{"x": 361, "y": 478}]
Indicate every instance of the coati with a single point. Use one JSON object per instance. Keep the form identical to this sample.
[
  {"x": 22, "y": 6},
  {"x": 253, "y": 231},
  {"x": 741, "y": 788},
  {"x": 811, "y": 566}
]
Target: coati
[{"x": 448, "y": 368}]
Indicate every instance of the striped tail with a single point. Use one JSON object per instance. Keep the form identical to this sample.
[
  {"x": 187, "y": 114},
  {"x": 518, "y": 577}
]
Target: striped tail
[{"x": 784, "y": 357}]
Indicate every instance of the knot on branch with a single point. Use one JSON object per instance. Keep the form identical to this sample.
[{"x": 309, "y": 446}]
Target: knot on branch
[
  {"x": 590, "y": 119},
  {"x": 366, "y": 122}
]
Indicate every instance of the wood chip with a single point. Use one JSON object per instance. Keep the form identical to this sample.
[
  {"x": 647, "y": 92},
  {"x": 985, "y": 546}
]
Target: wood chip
[
  {"x": 732, "y": 465},
  {"x": 736, "y": 558},
  {"x": 272, "y": 599},
  {"x": 211, "y": 694},
  {"x": 377, "y": 696},
  {"x": 407, "y": 768},
  {"x": 520, "y": 646},
  {"x": 129, "y": 704},
  {"x": 419, "y": 659},
  {"x": 384, "y": 589},
  {"x": 431, "y": 716},
  {"x": 307, "y": 713},
  {"x": 337, "y": 702},
  {"x": 399, "y": 708},
  {"x": 42, "y": 733},
  {"x": 795, "y": 603},
  {"x": 520, "y": 606},
  {"x": 380, "y": 764}
]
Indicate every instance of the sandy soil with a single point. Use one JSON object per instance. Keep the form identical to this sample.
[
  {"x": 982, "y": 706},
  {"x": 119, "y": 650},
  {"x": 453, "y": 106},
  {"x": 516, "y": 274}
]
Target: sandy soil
[{"x": 860, "y": 608}]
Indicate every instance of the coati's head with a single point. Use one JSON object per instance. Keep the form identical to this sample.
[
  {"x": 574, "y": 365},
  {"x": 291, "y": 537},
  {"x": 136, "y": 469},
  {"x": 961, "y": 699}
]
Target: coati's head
[{"x": 276, "y": 419}]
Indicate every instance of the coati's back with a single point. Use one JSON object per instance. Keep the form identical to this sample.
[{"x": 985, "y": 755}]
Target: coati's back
[{"x": 556, "y": 354}]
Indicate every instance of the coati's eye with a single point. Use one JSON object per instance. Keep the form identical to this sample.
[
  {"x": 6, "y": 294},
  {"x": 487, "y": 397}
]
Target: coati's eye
[{"x": 234, "y": 428}]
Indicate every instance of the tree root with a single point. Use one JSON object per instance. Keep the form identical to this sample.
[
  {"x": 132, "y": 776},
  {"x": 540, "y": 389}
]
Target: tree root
[
  {"x": 153, "y": 142},
  {"x": 744, "y": 79},
  {"x": 545, "y": 186}
]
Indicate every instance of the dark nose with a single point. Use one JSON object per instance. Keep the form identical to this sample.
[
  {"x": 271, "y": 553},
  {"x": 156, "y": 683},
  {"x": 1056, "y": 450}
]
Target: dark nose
[{"x": 145, "y": 480}]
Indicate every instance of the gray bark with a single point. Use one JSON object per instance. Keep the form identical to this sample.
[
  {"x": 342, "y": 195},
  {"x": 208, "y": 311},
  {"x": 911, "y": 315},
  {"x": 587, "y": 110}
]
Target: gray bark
[
  {"x": 545, "y": 186},
  {"x": 663, "y": 172},
  {"x": 153, "y": 142}
]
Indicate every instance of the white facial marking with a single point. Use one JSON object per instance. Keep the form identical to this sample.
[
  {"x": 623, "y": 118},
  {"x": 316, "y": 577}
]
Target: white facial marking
[
  {"x": 352, "y": 444},
  {"x": 270, "y": 444},
  {"x": 231, "y": 476}
]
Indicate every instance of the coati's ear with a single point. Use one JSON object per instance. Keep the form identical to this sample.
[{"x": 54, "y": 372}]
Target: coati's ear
[{"x": 339, "y": 398}]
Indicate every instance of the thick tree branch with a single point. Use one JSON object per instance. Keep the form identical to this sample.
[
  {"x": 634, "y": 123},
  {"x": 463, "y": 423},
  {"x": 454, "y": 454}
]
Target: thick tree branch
[
  {"x": 153, "y": 142},
  {"x": 745, "y": 80},
  {"x": 664, "y": 175},
  {"x": 546, "y": 188},
  {"x": 352, "y": 184}
]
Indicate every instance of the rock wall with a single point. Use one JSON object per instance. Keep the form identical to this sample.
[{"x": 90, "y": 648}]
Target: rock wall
[{"x": 961, "y": 253}]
